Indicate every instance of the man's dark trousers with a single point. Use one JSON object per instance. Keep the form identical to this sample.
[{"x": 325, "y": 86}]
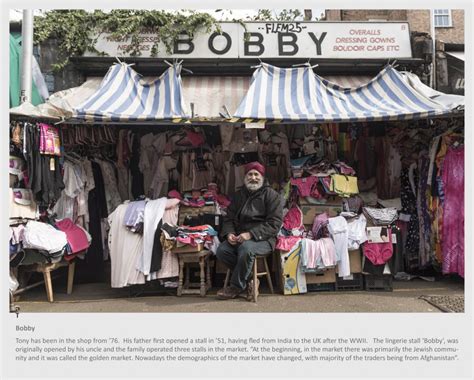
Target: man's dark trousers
[{"x": 240, "y": 258}]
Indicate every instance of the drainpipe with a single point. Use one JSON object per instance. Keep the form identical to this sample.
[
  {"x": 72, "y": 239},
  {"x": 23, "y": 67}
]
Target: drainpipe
[
  {"x": 433, "y": 37},
  {"x": 26, "y": 55}
]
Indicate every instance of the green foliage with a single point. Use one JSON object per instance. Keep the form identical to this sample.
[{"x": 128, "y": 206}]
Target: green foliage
[
  {"x": 284, "y": 15},
  {"x": 74, "y": 30}
]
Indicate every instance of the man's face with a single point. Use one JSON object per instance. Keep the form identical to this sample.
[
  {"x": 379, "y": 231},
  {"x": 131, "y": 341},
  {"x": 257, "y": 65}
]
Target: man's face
[{"x": 253, "y": 180}]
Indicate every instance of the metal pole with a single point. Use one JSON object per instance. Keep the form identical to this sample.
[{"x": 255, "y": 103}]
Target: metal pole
[
  {"x": 26, "y": 55},
  {"x": 433, "y": 36}
]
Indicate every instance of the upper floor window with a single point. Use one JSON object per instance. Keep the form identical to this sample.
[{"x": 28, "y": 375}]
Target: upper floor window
[{"x": 442, "y": 18}]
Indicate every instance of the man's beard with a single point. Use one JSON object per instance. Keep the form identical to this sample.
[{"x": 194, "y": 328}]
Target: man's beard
[{"x": 253, "y": 185}]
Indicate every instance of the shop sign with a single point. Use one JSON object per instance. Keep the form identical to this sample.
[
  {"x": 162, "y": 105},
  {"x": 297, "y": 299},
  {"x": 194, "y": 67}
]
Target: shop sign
[{"x": 278, "y": 40}]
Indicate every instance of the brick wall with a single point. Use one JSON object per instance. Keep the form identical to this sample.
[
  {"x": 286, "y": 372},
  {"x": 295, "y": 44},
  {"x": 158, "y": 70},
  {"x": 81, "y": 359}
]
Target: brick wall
[
  {"x": 366, "y": 14},
  {"x": 456, "y": 33},
  {"x": 419, "y": 20}
]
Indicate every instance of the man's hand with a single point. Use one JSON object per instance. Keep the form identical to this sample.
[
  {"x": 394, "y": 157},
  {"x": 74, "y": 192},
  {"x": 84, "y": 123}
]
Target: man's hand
[
  {"x": 244, "y": 236},
  {"x": 232, "y": 239}
]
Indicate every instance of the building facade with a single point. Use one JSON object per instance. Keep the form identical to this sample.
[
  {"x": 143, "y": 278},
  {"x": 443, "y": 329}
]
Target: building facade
[{"x": 449, "y": 36}]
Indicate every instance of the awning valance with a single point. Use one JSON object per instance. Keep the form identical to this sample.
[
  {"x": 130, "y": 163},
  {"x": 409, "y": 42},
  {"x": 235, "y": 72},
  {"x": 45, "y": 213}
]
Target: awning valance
[
  {"x": 124, "y": 95},
  {"x": 298, "y": 94}
]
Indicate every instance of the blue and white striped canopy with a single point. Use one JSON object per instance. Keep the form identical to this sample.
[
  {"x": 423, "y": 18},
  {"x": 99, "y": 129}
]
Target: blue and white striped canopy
[
  {"x": 124, "y": 96},
  {"x": 298, "y": 94}
]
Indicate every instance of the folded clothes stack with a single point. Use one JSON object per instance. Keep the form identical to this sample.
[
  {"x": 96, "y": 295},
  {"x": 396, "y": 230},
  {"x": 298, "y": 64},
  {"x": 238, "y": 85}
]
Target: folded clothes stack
[{"x": 193, "y": 236}]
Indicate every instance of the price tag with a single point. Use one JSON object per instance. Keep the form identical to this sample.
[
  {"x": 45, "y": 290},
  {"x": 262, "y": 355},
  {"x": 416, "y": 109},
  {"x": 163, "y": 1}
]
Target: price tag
[
  {"x": 259, "y": 125},
  {"x": 52, "y": 167}
]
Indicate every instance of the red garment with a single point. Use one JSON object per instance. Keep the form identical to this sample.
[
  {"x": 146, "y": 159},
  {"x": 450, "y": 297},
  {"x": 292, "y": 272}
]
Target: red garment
[
  {"x": 285, "y": 243},
  {"x": 293, "y": 219},
  {"x": 175, "y": 194},
  {"x": 307, "y": 186},
  {"x": 379, "y": 253},
  {"x": 255, "y": 166},
  {"x": 75, "y": 236}
]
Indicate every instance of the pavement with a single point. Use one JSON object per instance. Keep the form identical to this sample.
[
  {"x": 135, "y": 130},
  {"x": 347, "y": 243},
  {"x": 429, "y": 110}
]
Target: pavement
[{"x": 99, "y": 297}]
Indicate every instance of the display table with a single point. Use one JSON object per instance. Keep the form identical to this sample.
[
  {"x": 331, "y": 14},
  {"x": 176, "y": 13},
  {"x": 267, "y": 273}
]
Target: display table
[{"x": 186, "y": 256}]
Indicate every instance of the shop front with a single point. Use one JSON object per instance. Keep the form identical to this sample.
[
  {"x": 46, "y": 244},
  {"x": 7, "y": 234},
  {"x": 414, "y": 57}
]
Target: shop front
[{"x": 136, "y": 177}]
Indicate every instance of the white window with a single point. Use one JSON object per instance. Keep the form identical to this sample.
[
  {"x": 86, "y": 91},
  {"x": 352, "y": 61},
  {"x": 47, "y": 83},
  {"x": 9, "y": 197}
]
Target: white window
[{"x": 442, "y": 18}]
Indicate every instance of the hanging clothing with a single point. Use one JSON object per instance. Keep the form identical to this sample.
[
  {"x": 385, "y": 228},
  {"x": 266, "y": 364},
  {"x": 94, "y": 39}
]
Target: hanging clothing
[
  {"x": 93, "y": 266},
  {"x": 137, "y": 187},
  {"x": 125, "y": 249},
  {"x": 76, "y": 237},
  {"x": 112, "y": 194},
  {"x": 379, "y": 253},
  {"x": 453, "y": 213},
  {"x": 339, "y": 232},
  {"x": 154, "y": 211},
  {"x": 64, "y": 207},
  {"x": 356, "y": 232}
]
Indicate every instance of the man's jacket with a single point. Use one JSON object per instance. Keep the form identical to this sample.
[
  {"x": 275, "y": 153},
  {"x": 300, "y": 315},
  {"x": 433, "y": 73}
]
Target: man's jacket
[{"x": 259, "y": 212}]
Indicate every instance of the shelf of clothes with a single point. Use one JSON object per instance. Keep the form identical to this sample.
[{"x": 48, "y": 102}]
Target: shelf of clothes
[
  {"x": 91, "y": 174},
  {"x": 142, "y": 237},
  {"x": 329, "y": 246}
]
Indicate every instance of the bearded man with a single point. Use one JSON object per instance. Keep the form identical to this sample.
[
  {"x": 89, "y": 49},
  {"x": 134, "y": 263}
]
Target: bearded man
[{"x": 250, "y": 228}]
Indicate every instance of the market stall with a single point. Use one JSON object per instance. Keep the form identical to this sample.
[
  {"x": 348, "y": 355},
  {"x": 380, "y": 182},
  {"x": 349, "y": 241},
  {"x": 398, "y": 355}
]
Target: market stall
[{"x": 137, "y": 174}]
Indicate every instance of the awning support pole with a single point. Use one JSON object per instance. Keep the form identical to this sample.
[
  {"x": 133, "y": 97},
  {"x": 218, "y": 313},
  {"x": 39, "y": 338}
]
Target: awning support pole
[{"x": 26, "y": 55}]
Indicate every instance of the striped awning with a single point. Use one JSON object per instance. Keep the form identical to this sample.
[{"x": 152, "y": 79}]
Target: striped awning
[
  {"x": 214, "y": 97},
  {"x": 124, "y": 95},
  {"x": 298, "y": 94}
]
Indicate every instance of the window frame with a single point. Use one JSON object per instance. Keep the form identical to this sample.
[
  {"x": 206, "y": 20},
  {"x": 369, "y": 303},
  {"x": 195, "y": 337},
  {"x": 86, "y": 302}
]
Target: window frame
[{"x": 443, "y": 14}]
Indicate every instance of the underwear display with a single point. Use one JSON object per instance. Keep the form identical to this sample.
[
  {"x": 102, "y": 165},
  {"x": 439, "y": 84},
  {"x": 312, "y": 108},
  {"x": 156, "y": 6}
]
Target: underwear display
[
  {"x": 379, "y": 253},
  {"x": 306, "y": 186}
]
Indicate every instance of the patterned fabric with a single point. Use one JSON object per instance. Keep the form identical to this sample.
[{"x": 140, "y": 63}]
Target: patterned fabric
[
  {"x": 409, "y": 208},
  {"x": 453, "y": 216},
  {"x": 381, "y": 216}
]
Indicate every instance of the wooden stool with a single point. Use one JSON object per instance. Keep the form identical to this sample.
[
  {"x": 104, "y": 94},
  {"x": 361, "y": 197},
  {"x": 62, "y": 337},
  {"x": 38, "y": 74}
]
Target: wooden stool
[
  {"x": 47, "y": 268},
  {"x": 201, "y": 257},
  {"x": 255, "y": 276}
]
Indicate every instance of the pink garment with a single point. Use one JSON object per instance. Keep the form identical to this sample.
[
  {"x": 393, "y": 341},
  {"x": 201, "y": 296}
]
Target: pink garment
[
  {"x": 328, "y": 251},
  {"x": 319, "y": 222},
  {"x": 306, "y": 186},
  {"x": 286, "y": 243},
  {"x": 193, "y": 203},
  {"x": 222, "y": 200},
  {"x": 321, "y": 248},
  {"x": 379, "y": 253},
  {"x": 175, "y": 194},
  {"x": 76, "y": 237},
  {"x": 293, "y": 219},
  {"x": 49, "y": 140},
  {"x": 452, "y": 243}
]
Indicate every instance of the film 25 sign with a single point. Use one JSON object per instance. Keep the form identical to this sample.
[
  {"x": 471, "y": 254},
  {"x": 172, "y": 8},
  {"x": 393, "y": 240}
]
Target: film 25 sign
[{"x": 278, "y": 40}]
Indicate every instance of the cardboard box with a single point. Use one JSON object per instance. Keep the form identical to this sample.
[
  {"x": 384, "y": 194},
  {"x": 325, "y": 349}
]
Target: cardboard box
[
  {"x": 189, "y": 248},
  {"x": 355, "y": 260},
  {"x": 310, "y": 211},
  {"x": 328, "y": 276}
]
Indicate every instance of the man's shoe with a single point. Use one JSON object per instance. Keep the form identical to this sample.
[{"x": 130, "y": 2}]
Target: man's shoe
[
  {"x": 229, "y": 293},
  {"x": 250, "y": 287}
]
